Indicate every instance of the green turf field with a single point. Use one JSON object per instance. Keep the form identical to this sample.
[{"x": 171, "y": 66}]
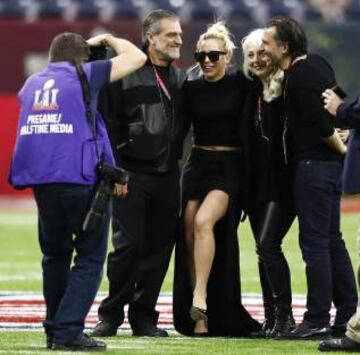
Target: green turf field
[
  {"x": 20, "y": 271},
  {"x": 32, "y": 343}
]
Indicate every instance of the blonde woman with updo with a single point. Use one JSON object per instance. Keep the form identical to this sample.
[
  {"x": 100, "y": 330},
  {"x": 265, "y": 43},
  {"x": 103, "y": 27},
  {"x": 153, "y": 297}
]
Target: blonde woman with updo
[
  {"x": 272, "y": 210},
  {"x": 207, "y": 299}
]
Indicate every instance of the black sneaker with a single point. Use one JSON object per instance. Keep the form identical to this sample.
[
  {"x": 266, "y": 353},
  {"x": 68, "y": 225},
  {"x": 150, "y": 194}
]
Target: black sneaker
[
  {"x": 342, "y": 344},
  {"x": 150, "y": 332},
  {"x": 265, "y": 330},
  {"x": 338, "y": 330},
  {"x": 49, "y": 341},
  {"x": 283, "y": 326},
  {"x": 306, "y": 331},
  {"x": 104, "y": 329},
  {"x": 84, "y": 343}
]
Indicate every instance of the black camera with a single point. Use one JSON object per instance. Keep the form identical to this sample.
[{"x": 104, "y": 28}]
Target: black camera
[
  {"x": 109, "y": 176},
  {"x": 97, "y": 53}
]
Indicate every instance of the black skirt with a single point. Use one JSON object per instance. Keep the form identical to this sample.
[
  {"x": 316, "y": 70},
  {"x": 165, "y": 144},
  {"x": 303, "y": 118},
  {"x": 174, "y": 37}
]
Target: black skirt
[
  {"x": 211, "y": 170},
  {"x": 204, "y": 172}
]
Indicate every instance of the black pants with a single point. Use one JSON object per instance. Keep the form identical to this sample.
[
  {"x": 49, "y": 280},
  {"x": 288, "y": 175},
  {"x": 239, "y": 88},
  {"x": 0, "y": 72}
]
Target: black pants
[
  {"x": 329, "y": 274},
  {"x": 144, "y": 226},
  {"x": 270, "y": 221}
]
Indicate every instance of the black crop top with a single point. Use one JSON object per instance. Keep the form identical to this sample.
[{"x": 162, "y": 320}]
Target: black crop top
[{"x": 215, "y": 109}]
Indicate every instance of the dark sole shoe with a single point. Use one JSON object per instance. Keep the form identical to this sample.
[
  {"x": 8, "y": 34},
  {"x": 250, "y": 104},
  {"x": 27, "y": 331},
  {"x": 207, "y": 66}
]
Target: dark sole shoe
[
  {"x": 259, "y": 335},
  {"x": 201, "y": 335},
  {"x": 338, "y": 330},
  {"x": 67, "y": 347},
  {"x": 265, "y": 331},
  {"x": 84, "y": 343},
  {"x": 104, "y": 329},
  {"x": 197, "y": 314},
  {"x": 49, "y": 342},
  {"x": 310, "y": 337},
  {"x": 306, "y": 333},
  {"x": 343, "y": 344},
  {"x": 158, "y": 333}
]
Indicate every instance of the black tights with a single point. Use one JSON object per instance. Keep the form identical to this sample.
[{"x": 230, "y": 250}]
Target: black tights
[{"x": 270, "y": 221}]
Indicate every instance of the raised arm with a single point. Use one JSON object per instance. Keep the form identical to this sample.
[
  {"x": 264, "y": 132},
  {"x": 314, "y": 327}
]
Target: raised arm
[{"x": 129, "y": 57}]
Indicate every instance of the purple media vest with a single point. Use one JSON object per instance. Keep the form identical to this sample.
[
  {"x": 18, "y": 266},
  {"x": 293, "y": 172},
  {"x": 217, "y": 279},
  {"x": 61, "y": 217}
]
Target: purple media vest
[{"x": 54, "y": 141}]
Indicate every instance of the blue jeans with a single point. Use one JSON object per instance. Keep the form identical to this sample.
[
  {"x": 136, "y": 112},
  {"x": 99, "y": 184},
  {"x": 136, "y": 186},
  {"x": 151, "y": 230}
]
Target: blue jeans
[
  {"x": 69, "y": 289},
  {"x": 330, "y": 277}
]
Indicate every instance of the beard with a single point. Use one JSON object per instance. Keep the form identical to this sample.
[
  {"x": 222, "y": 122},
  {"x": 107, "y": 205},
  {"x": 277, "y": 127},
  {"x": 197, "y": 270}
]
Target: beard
[{"x": 169, "y": 54}]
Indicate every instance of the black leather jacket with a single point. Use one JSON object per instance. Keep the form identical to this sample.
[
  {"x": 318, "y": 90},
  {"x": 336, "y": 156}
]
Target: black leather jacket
[{"x": 145, "y": 132}]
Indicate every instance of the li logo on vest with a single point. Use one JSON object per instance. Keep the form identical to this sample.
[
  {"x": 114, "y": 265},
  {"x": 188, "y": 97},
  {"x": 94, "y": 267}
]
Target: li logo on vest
[{"x": 46, "y": 99}]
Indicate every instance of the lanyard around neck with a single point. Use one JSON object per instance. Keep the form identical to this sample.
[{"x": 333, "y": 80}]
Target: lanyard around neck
[{"x": 161, "y": 84}]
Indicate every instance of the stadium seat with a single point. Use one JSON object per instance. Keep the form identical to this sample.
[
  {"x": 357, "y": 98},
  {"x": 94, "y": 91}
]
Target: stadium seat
[
  {"x": 170, "y": 5},
  {"x": 49, "y": 9},
  {"x": 241, "y": 10},
  {"x": 126, "y": 10},
  {"x": 12, "y": 9},
  {"x": 353, "y": 11},
  {"x": 87, "y": 9},
  {"x": 278, "y": 8},
  {"x": 311, "y": 13},
  {"x": 207, "y": 9}
]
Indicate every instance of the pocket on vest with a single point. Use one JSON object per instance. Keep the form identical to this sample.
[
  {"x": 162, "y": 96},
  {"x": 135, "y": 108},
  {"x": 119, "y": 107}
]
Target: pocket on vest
[{"x": 90, "y": 158}]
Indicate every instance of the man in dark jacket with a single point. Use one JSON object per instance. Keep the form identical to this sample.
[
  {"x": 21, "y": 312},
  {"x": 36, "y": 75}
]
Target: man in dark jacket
[
  {"x": 142, "y": 116},
  {"x": 347, "y": 115},
  {"x": 317, "y": 154}
]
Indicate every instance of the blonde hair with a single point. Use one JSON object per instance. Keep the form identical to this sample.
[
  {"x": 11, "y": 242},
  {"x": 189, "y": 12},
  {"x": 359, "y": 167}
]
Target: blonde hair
[
  {"x": 272, "y": 85},
  {"x": 219, "y": 31},
  {"x": 252, "y": 38}
]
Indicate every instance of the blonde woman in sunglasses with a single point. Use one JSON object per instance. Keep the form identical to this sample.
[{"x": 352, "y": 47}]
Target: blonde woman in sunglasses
[{"x": 207, "y": 299}]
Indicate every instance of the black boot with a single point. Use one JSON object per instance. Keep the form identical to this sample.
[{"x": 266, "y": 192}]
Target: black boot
[
  {"x": 265, "y": 330},
  {"x": 284, "y": 324}
]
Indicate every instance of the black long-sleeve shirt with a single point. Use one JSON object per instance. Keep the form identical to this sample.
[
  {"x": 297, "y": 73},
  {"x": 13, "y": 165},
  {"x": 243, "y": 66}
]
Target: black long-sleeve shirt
[
  {"x": 215, "y": 109},
  {"x": 308, "y": 121},
  {"x": 270, "y": 178}
]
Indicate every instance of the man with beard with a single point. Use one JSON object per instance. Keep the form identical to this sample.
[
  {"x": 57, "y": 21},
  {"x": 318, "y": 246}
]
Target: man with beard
[
  {"x": 314, "y": 147},
  {"x": 142, "y": 116}
]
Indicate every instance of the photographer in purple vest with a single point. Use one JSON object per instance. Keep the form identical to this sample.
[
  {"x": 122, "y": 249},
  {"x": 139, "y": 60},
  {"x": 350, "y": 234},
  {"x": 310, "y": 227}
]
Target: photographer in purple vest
[{"x": 56, "y": 154}]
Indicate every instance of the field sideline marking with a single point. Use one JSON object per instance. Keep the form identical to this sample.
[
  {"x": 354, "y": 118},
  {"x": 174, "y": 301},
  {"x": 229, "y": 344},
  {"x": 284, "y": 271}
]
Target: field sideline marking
[{"x": 26, "y": 310}]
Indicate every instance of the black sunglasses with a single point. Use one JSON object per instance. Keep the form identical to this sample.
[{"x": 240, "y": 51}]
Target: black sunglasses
[{"x": 212, "y": 55}]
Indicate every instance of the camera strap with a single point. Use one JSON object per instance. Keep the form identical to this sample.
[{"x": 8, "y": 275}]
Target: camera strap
[{"x": 85, "y": 88}]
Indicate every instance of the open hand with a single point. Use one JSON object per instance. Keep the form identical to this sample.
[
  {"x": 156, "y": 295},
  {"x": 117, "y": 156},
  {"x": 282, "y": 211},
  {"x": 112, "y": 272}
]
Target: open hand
[
  {"x": 331, "y": 101},
  {"x": 120, "y": 190},
  {"x": 99, "y": 40}
]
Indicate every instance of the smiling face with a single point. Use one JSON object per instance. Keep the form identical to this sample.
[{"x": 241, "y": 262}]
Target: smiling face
[
  {"x": 166, "y": 44},
  {"x": 276, "y": 50},
  {"x": 258, "y": 63},
  {"x": 213, "y": 70}
]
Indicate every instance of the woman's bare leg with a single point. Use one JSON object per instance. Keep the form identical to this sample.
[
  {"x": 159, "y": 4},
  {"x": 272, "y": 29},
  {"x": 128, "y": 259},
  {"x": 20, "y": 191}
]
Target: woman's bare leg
[
  {"x": 191, "y": 209},
  {"x": 212, "y": 209}
]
